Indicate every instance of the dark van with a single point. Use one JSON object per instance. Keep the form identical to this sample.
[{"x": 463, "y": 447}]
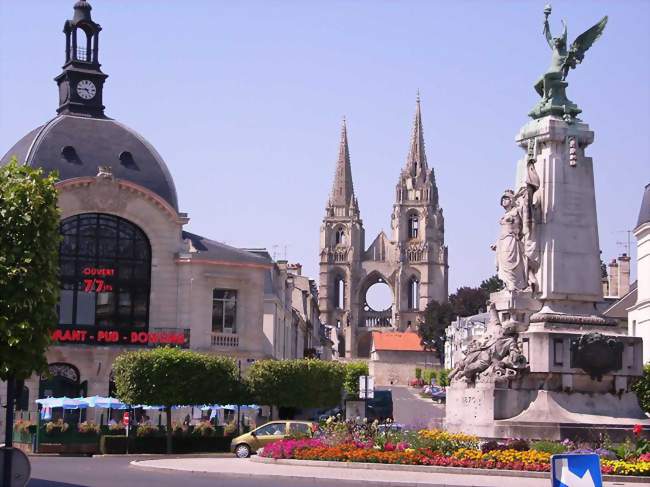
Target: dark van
[{"x": 381, "y": 406}]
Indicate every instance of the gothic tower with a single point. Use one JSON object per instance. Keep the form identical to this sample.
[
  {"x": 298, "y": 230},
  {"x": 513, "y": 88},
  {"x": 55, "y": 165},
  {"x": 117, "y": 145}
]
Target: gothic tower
[
  {"x": 412, "y": 262},
  {"x": 419, "y": 233},
  {"x": 342, "y": 241}
]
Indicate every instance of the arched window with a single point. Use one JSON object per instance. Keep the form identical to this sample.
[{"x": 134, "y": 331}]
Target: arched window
[
  {"x": 413, "y": 226},
  {"x": 413, "y": 293},
  {"x": 105, "y": 268},
  {"x": 340, "y": 236},
  {"x": 84, "y": 45},
  {"x": 339, "y": 293}
]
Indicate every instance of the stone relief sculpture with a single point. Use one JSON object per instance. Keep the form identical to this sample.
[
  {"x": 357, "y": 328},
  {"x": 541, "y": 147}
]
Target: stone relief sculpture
[
  {"x": 551, "y": 86},
  {"x": 516, "y": 249},
  {"x": 492, "y": 358}
]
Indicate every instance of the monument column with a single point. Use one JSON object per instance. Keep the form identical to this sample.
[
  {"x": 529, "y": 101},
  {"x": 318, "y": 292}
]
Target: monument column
[{"x": 566, "y": 228}]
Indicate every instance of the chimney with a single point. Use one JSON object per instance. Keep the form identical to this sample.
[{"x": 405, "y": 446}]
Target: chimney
[
  {"x": 612, "y": 275},
  {"x": 623, "y": 275},
  {"x": 295, "y": 269}
]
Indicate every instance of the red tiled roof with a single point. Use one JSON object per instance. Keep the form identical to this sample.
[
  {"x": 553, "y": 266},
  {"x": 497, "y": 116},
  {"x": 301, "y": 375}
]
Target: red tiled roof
[{"x": 401, "y": 341}]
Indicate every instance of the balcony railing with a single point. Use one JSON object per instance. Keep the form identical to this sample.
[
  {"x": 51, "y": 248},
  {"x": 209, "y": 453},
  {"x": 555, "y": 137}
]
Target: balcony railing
[
  {"x": 225, "y": 340},
  {"x": 82, "y": 54},
  {"x": 377, "y": 319}
]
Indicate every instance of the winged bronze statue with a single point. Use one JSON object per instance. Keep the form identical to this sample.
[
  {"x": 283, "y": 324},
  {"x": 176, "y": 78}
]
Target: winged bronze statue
[{"x": 552, "y": 83}]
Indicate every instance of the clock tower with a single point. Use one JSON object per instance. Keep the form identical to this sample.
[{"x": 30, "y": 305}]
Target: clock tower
[{"x": 81, "y": 82}]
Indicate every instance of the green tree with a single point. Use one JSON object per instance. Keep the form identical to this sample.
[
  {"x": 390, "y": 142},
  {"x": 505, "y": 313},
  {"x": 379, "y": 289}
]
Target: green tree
[
  {"x": 301, "y": 383},
  {"x": 29, "y": 282},
  {"x": 354, "y": 370},
  {"x": 468, "y": 301},
  {"x": 171, "y": 376},
  {"x": 492, "y": 285},
  {"x": 29, "y": 266},
  {"x": 437, "y": 316},
  {"x": 642, "y": 388}
]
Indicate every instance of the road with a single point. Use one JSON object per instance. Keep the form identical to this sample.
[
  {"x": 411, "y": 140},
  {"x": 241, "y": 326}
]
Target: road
[
  {"x": 117, "y": 472},
  {"x": 413, "y": 411}
]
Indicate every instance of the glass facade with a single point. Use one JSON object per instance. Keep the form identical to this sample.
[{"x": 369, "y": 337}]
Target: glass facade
[{"x": 105, "y": 269}]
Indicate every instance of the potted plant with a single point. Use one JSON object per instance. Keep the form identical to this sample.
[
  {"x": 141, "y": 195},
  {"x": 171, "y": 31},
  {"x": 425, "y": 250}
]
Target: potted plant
[
  {"x": 88, "y": 428},
  {"x": 56, "y": 427}
]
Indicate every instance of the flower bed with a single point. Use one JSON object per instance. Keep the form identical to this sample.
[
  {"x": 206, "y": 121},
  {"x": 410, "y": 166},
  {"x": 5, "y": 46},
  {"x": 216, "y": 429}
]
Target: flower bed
[{"x": 363, "y": 442}]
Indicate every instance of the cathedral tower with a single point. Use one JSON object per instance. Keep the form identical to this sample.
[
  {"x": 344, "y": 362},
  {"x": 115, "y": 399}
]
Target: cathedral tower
[{"x": 412, "y": 262}]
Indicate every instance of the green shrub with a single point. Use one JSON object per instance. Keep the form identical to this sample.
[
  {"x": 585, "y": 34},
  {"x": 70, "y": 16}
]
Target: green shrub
[
  {"x": 112, "y": 445},
  {"x": 354, "y": 370},
  {"x": 109, "y": 444},
  {"x": 418, "y": 373},
  {"x": 301, "y": 383},
  {"x": 552, "y": 447},
  {"x": 145, "y": 430},
  {"x": 443, "y": 377},
  {"x": 642, "y": 388}
]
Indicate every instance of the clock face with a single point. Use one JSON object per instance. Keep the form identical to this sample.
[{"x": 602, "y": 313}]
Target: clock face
[{"x": 86, "y": 89}]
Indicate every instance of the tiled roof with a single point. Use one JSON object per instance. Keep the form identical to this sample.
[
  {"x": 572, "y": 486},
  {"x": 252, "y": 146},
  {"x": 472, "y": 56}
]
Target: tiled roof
[
  {"x": 400, "y": 341},
  {"x": 211, "y": 250},
  {"x": 644, "y": 213}
]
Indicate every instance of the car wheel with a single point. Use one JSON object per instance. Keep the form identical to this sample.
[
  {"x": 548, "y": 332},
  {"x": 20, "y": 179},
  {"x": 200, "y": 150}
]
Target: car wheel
[{"x": 242, "y": 451}]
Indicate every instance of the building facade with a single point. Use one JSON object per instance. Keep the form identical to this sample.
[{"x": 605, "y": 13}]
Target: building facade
[
  {"x": 639, "y": 313},
  {"x": 412, "y": 261},
  {"x": 131, "y": 275}
]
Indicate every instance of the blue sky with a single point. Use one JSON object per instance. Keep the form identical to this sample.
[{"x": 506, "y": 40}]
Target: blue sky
[{"x": 244, "y": 101}]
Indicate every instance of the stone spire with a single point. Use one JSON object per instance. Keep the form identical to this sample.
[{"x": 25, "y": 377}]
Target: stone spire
[
  {"x": 416, "y": 162},
  {"x": 343, "y": 190}
]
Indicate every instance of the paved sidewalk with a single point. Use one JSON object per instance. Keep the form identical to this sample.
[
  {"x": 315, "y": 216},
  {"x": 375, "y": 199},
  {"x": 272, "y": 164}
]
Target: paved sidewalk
[{"x": 312, "y": 475}]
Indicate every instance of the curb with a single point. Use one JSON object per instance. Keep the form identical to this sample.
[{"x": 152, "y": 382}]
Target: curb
[
  {"x": 434, "y": 469},
  {"x": 161, "y": 456}
]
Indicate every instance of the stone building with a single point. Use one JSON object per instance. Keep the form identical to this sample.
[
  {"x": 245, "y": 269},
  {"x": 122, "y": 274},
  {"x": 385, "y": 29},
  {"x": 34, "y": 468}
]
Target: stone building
[
  {"x": 412, "y": 261},
  {"x": 395, "y": 355},
  {"x": 131, "y": 275}
]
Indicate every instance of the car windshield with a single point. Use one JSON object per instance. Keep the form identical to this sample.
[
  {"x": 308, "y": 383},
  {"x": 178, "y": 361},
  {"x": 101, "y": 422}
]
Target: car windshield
[{"x": 273, "y": 429}]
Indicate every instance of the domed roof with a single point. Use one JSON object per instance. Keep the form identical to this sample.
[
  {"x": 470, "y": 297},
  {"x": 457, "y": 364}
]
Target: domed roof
[{"x": 76, "y": 146}]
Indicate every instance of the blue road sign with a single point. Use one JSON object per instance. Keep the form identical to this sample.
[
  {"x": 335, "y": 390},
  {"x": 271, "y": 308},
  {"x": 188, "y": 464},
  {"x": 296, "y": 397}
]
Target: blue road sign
[{"x": 576, "y": 471}]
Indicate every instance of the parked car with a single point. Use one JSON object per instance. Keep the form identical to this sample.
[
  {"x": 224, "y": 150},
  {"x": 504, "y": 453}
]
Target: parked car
[
  {"x": 329, "y": 413},
  {"x": 390, "y": 428},
  {"x": 245, "y": 445},
  {"x": 381, "y": 406},
  {"x": 437, "y": 393}
]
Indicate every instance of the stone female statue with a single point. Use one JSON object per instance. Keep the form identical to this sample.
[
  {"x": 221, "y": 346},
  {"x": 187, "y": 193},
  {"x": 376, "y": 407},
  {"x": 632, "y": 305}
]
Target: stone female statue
[{"x": 510, "y": 248}]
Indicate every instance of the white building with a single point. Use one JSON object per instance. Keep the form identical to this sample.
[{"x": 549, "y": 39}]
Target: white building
[
  {"x": 459, "y": 334},
  {"x": 639, "y": 313}
]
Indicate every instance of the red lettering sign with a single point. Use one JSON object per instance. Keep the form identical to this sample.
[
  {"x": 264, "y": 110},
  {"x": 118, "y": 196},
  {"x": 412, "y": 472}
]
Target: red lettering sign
[
  {"x": 126, "y": 418},
  {"x": 97, "y": 284},
  {"x": 115, "y": 337}
]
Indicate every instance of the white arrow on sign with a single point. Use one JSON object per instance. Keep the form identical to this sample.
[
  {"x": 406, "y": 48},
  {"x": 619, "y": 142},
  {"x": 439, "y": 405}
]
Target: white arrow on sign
[{"x": 570, "y": 479}]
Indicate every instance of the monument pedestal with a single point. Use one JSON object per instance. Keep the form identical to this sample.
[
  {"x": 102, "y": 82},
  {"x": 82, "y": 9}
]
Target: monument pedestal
[
  {"x": 577, "y": 386},
  {"x": 579, "y": 367}
]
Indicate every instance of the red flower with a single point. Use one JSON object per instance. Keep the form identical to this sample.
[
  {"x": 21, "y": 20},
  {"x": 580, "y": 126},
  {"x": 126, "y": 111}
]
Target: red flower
[{"x": 637, "y": 429}]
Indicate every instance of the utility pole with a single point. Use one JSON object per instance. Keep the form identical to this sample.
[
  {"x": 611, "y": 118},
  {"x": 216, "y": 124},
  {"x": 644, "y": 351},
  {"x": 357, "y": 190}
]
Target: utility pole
[{"x": 9, "y": 429}]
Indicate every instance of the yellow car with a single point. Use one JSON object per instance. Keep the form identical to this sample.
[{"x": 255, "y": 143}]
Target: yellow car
[{"x": 243, "y": 446}]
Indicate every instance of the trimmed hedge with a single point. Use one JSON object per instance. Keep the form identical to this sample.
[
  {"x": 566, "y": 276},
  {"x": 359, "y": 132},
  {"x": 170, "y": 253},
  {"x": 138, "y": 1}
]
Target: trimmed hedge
[{"x": 113, "y": 444}]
